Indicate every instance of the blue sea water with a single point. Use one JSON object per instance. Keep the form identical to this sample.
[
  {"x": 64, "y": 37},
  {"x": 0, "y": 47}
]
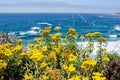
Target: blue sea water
[{"x": 23, "y": 24}]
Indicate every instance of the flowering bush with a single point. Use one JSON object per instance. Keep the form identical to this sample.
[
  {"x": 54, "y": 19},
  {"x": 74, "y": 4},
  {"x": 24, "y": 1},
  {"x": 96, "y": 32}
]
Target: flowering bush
[{"x": 54, "y": 58}]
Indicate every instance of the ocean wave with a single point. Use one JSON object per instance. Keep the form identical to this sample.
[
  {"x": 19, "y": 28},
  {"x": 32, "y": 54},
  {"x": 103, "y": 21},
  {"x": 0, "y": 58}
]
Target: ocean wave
[
  {"x": 33, "y": 28},
  {"x": 113, "y": 36},
  {"x": 33, "y": 31},
  {"x": 44, "y": 23},
  {"x": 22, "y": 33},
  {"x": 11, "y": 33},
  {"x": 117, "y": 28},
  {"x": 28, "y": 33}
]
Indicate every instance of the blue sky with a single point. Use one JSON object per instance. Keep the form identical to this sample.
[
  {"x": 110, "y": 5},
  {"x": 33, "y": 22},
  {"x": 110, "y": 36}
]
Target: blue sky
[{"x": 56, "y": 6}]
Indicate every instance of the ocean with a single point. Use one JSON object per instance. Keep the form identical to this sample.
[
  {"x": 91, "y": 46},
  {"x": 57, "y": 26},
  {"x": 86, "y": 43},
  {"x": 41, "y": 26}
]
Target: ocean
[{"x": 24, "y": 24}]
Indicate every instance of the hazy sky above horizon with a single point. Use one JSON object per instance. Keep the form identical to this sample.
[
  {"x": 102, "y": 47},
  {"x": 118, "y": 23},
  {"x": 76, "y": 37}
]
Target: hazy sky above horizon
[{"x": 56, "y": 6}]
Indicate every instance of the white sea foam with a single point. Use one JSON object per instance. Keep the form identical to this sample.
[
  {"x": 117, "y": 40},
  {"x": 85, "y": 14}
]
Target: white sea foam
[
  {"x": 22, "y": 33},
  {"x": 11, "y": 33},
  {"x": 30, "y": 32},
  {"x": 33, "y": 31},
  {"x": 33, "y": 28},
  {"x": 113, "y": 36},
  {"x": 44, "y": 23},
  {"x": 117, "y": 28}
]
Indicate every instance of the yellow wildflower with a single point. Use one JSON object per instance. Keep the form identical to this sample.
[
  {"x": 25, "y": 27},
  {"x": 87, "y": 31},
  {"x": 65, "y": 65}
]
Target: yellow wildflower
[
  {"x": 88, "y": 64},
  {"x": 96, "y": 33},
  {"x": 85, "y": 78},
  {"x": 72, "y": 32},
  {"x": 24, "y": 54},
  {"x": 65, "y": 67},
  {"x": 89, "y": 35},
  {"x": 3, "y": 65},
  {"x": 52, "y": 56},
  {"x": 105, "y": 59},
  {"x": 28, "y": 77},
  {"x": 43, "y": 65},
  {"x": 17, "y": 49},
  {"x": 57, "y": 28},
  {"x": 19, "y": 41},
  {"x": 46, "y": 31},
  {"x": 31, "y": 45},
  {"x": 44, "y": 49},
  {"x": 71, "y": 68},
  {"x": 98, "y": 76},
  {"x": 72, "y": 58},
  {"x": 7, "y": 45},
  {"x": 75, "y": 78},
  {"x": 37, "y": 40},
  {"x": 36, "y": 55},
  {"x": 55, "y": 37},
  {"x": 102, "y": 39},
  {"x": 5, "y": 52},
  {"x": 57, "y": 49},
  {"x": 44, "y": 77}
]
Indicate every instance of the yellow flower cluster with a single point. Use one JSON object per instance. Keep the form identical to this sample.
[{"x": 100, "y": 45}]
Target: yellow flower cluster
[
  {"x": 52, "y": 56},
  {"x": 89, "y": 35},
  {"x": 44, "y": 49},
  {"x": 46, "y": 31},
  {"x": 43, "y": 65},
  {"x": 6, "y": 52},
  {"x": 37, "y": 40},
  {"x": 57, "y": 49},
  {"x": 72, "y": 58},
  {"x": 17, "y": 49},
  {"x": 88, "y": 64},
  {"x": 57, "y": 28},
  {"x": 55, "y": 58},
  {"x": 98, "y": 76},
  {"x": 28, "y": 77},
  {"x": 85, "y": 78},
  {"x": 3, "y": 65},
  {"x": 69, "y": 68},
  {"x": 24, "y": 54},
  {"x": 102, "y": 39},
  {"x": 74, "y": 78},
  {"x": 44, "y": 77},
  {"x": 55, "y": 37},
  {"x": 36, "y": 55},
  {"x": 96, "y": 33},
  {"x": 105, "y": 59},
  {"x": 7, "y": 45},
  {"x": 72, "y": 32},
  {"x": 31, "y": 46},
  {"x": 20, "y": 41}
]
